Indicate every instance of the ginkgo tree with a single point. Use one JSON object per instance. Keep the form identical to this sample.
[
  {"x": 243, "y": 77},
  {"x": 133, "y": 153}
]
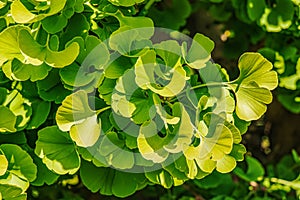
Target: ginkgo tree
[{"x": 110, "y": 101}]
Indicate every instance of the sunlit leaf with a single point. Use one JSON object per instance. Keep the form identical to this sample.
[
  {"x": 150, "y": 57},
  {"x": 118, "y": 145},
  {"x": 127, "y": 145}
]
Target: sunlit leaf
[
  {"x": 132, "y": 36},
  {"x": 126, "y": 3},
  {"x": 9, "y": 46},
  {"x": 44, "y": 175},
  {"x": 21, "y": 169},
  {"x": 226, "y": 164},
  {"x": 161, "y": 177},
  {"x": 86, "y": 133},
  {"x": 3, "y": 165},
  {"x": 8, "y": 122},
  {"x": 20, "y": 107},
  {"x": 146, "y": 68},
  {"x": 11, "y": 192},
  {"x": 22, "y": 15},
  {"x": 74, "y": 110},
  {"x": 199, "y": 52},
  {"x": 252, "y": 88},
  {"x": 16, "y": 70},
  {"x": 40, "y": 54}
]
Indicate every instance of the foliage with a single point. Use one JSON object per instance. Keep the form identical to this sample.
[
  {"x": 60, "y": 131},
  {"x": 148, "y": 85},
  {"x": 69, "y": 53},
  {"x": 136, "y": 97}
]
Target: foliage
[
  {"x": 260, "y": 23},
  {"x": 105, "y": 99}
]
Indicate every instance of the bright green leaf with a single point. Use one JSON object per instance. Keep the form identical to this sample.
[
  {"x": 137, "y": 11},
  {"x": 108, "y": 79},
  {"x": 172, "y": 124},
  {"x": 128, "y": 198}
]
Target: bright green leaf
[
  {"x": 226, "y": 164},
  {"x": 40, "y": 112},
  {"x": 8, "y": 122},
  {"x": 199, "y": 52},
  {"x": 74, "y": 110},
  {"x": 57, "y": 151},
  {"x": 39, "y": 54},
  {"x": 21, "y": 169},
  {"x": 22, "y": 15},
  {"x": 253, "y": 86},
  {"x": 20, "y": 107},
  {"x": 3, "y": 165},
  {"x": 10, "y": 192},
  {"x": 125, "y": 3},
  {"x": 145, "y": 70},
  {"x": 9, "y": 46},
  {"x": 16, "y": 70},
  {"x": 87, "y": 132},
  {"x": 44, "y": 175}
]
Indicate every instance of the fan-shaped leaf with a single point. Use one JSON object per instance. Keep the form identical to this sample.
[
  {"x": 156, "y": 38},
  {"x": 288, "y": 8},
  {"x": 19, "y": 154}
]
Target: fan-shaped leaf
[
  {"x": 110, "y": 181},
  {"x": 126, "y": 3},
  {"x": 21, "y": 169},
  {"x": 253, "y": 86},
  {"x": 74, "y": 110},
  {"x": 22, "y": 15},
  {"x": 8, "y": 122},
  {"x": 38, "y": 54},
  {"x": 57, "y": 151}
]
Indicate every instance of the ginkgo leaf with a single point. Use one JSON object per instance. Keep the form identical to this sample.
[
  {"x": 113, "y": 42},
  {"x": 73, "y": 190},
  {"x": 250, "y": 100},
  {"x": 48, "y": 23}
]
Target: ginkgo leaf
[
  {"x": 20, "y": 107},
  {"x": 161, "y": 177},
  {"x": 74, "y": 110},
  {"x": 145, "y": 71},
  {"x": 57, "y": 151},
  {"x": 122, "y": 106},
  {"x": 278, "y": 17},
  {"x": 128, "y": 100},
  {"x": 183, "y": 130},
  {"x": 169, "y": 51},
  {"x": 16, "y": 70},
  {"x": 110, "y": 181},
  {"x": 21, "y": 169},
  {"x": 252, "y": 88},
  {"x": 38, "y": 54},
  {"x": 3, "y": 165},
  {"x": 290, "y": 82},
  {"x": 164, "y": 116},
  {"x": 115, "y": 152},
  {"x": 219, "y": 144},
  {"x": 207, "y": 165},
  {"x": 8, "y": 122},
  {"x": 254, "y": 171},
  {"x": 255, "y": 68},
  {"x": 132, "y": 38},
  {"x": 10, "y": 192},
  {"x": 251, "y": 102},
  {"x": 199, "y": 52},
  {"x": 87, "y": 132},
  {"x": 226, "y": 164},
  {"x": 22, "y": 15},
  {"x": 150, "y": 144},
  {"x": 9, "y": 46},
  {"x": 125, "y": 3}
]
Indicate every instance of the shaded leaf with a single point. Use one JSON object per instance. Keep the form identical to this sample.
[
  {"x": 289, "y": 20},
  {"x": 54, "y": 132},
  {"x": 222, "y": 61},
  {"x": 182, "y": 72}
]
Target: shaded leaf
[{"x": 57, "y": 151}]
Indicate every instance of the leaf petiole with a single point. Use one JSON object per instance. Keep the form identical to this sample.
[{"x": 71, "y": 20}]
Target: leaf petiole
[{"x": 102, "y": 110}]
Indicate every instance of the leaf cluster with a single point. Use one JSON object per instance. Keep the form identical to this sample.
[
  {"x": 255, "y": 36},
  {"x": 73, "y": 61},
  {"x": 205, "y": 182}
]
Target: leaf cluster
[{"x": 102, "y": 100}]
